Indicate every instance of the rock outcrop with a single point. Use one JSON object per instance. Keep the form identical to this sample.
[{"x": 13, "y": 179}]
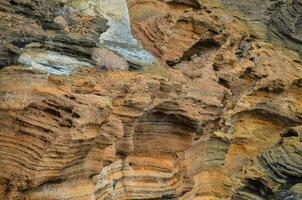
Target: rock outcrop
[
  {"x": 278, "y": 21},
  {"x": 36, "y": 26},
  {"x": 225, "y": 123},
  {"x": 58, "y": 36},
  {"x": 286, "y": 24}
]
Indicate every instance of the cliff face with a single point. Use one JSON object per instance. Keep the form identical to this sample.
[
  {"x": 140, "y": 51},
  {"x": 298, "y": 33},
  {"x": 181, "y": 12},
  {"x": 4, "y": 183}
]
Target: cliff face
[
  {"x": 276, "y": 20},
  {"x": 226, "y": 123}
]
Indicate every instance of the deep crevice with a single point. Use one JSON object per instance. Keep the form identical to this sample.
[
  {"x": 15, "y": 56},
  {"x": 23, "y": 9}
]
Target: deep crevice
[
  {"x": 187, "y": 3},
  {"x": 224, "y": 83},
  {"x": 53, "y": 112},
  {"x": 290, "y": 133},
  {"x": 253, "y": 188}
]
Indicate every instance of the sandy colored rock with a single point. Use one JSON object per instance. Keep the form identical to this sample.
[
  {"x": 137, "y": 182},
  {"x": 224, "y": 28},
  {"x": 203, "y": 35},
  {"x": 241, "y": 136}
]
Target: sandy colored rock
[{"x": 225, "y": 124}]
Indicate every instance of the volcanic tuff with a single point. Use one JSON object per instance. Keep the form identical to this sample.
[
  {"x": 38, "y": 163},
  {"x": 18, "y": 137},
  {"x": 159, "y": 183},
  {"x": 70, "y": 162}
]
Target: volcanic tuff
[{"x": 225, "y": 123}]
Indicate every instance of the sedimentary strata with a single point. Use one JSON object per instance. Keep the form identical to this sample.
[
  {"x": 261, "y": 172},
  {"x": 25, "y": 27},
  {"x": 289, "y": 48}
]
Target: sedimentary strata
[{"x": 224, "y": 124}]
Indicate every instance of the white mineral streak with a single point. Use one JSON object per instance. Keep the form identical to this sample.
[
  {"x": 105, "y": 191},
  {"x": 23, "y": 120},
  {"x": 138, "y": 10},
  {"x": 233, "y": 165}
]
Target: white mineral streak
[
  {"x": 117, "y": 38},
  {"x": 51, "y": 62},
  {"x": 116, "y": 12}
]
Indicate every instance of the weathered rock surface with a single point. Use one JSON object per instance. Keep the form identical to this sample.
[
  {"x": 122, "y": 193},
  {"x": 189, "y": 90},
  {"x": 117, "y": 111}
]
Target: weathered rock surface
[
  {"x": 225, "y": 124},
  {"x": 276, "y": 20},
  {"x": 33, "y": 26},
  {"x": 68, "y": 28},
  {"x": 286, "y": 24}
]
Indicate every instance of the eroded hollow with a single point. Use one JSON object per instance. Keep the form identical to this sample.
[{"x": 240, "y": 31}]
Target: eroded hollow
[
  {"x": 159, "y": 140},
  {"x": 190, "y": 3},
  {"x": 158, "y": 131},
  {"x": 200, "y": 48}
]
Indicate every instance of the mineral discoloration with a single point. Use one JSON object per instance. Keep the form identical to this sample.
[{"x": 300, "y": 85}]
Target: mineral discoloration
[{"x": 68, "y": 30}]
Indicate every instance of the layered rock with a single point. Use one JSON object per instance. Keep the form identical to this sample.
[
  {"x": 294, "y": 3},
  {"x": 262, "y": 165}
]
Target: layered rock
[
  {"x": 68, "y": 30},
  {"x": 286, "y": 24},
  {"x": 119, "y": 153},
  {"x": 225, "y": 124},
  {"x": 171, "y": 34},
  {"x": 278, "y": 21},
  {"x": 35, "y": 26}
]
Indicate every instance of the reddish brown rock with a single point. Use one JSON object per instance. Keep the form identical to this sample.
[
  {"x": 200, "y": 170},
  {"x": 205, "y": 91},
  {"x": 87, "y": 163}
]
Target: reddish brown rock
[{"x": 225, "y": 124}]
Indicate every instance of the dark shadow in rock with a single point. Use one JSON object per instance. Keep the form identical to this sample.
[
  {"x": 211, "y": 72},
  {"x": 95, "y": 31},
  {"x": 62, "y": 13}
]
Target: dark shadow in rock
[{"x": 198, "y": 49}]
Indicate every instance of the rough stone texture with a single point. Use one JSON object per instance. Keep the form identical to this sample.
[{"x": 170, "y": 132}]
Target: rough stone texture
[
  {"x": 36, "y": 25},
  {"x": 286, "y": 24},
  {"x": 118, "y": 36},
  {"x": 69, "y": 28},
  {"x": 276, "y": 20},
  {"x": 109, "y": 60},
  {"x": 225, "y": 124}
]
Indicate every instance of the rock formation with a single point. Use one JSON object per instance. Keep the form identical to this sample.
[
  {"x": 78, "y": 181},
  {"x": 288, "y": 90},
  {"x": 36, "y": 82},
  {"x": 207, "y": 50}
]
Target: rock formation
[
  {"x": 58, "y": 36},
  {"x": 226, "y": 123},
  {"x": 276, "y": 20}
]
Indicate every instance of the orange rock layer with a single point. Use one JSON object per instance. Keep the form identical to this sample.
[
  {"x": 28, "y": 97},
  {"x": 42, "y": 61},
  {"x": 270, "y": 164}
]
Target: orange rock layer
[{"x": 226, "y": 124}]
